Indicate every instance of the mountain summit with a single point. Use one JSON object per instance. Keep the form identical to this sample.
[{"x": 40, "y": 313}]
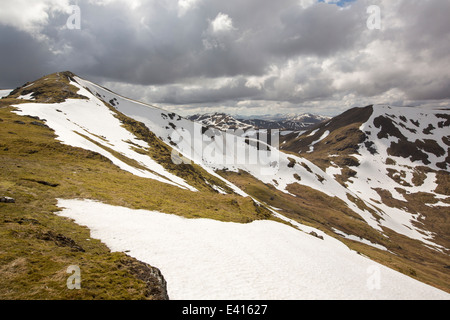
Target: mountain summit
[
  {"x": 291, "y": 122},
  {"x": 211, "y": 214}
]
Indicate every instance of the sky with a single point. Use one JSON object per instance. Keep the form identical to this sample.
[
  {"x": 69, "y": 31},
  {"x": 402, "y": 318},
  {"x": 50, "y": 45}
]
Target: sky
[{"x": 246, "y": 57}]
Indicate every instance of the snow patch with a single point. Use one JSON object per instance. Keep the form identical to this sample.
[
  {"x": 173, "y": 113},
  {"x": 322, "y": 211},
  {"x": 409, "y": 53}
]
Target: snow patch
[
  {"x": 207, "y": 259},
  {"x": 5, "y": 92}
]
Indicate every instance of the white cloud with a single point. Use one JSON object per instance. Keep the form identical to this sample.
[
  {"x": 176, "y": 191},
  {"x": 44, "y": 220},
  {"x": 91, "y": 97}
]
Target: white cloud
[
  {"x": 221, "y": 23},
  {"x": 185, "y": 6},
  {"x": 31, "y": 16},
  {"x": 306, "y": 3},
  {"x": 220, "y": 32}
]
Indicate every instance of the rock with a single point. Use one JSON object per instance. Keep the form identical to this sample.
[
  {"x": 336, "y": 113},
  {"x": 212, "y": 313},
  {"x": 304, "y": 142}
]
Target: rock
[
  {"x": 7, "y": 200},
  {"x": 316, "y": 235},
  {"x": 60, "y": 240},
  {"x": 37, "y": 123},
  {"x": 152, "y": 276}
]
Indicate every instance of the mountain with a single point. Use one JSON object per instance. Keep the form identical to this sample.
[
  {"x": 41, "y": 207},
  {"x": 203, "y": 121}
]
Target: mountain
[
  {"x": 395, "y": 159},
  {"x": 292, "y": 122},
  {"x": 220, "y": 121},
  {"x": 150, "y": 204}
]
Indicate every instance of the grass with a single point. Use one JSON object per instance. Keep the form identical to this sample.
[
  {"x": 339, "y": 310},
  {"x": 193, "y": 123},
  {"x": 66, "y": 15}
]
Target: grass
[
  {"x": 37, "y": 245},
  {"x": 54, "y": 88},
  {"x": 33, "y": 266}
]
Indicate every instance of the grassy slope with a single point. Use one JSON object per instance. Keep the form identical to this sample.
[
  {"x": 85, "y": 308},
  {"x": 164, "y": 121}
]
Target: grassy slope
[{"x": 37, "y": 246}]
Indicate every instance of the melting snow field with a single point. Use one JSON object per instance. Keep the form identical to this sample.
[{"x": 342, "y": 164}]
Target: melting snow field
[
  {"x": 263, "y": 260},
  {"x": 5, "y": 92}
]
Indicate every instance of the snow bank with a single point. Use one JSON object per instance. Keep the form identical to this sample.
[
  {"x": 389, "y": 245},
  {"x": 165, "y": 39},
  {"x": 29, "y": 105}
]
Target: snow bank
[
  {"x": 5, "y": 92},
  {"x": 207, "y": 259}
]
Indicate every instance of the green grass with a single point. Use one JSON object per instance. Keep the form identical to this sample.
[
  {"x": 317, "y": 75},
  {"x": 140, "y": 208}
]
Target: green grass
[
  {"x": 31, "y": 153},
  {"x": 53, "y": 88}
]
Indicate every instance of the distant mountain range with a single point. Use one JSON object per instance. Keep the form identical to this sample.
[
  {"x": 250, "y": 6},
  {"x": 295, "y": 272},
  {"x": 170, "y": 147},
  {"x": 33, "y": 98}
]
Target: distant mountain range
[{"x": 292, "y": 122}]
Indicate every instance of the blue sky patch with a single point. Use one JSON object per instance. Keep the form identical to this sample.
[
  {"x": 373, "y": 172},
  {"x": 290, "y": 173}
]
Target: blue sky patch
[{"x": 340, "y": 3}]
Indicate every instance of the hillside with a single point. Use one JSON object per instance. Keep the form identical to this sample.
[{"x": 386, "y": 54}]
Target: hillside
[
  {"x": 395, "y": 159},
  {"x": 370, "y": 185}
]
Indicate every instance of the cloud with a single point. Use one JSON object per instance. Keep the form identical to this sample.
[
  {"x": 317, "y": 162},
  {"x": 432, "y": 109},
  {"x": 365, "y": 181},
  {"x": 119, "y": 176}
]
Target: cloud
[
  {"x": 223, "y": 54},
  {"x": 221, "y": 23},
  {"x": 184, "y": 6},
  {"x": 31, "y": 16},
  {"x": 17, "y": 66}
]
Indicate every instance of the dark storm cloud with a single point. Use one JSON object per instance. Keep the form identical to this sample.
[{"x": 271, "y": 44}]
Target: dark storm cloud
[
  {"x": 235, "y": 89},
  {"x": 153, "y": 45},
  {"x": 319, "y": 30},
  {"x": 293, "y": 51},
  {"x": 22, "y": 58}
]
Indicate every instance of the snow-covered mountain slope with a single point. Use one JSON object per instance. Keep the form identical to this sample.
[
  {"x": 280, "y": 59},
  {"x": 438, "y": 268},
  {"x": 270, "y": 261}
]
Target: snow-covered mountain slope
[
  {"x": 216, "y": 150},
  {"x": 395, "y": 159},
  {"x": 219, "y": 151},
  {"x": 304, "y": 117},
  {"x": 90, "y": 124},
  {"x": 220, "y": 121},
  {"x": 284, "y": 122},
  {"x": 4, "y": 92},
  {"x": 263, "y": 260},
  {"x": 331, "y": 177}
]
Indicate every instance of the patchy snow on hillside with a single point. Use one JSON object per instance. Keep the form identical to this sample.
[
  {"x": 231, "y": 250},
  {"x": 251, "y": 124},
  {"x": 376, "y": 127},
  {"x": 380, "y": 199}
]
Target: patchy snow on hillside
[
  {"x": 26, "y": 96},
  {"x": 311, "y": 146},
  {"x": 75, "y": 118},
  {"x": 226, "y": 151},
  {"x": 263, "y": 260},
  {"x": 5, "y": 92},
  {"x": 373, "y": 171}
]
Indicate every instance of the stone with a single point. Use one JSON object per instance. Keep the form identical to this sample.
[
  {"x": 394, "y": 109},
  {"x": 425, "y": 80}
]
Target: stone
[{"x": 7, "y": 200}]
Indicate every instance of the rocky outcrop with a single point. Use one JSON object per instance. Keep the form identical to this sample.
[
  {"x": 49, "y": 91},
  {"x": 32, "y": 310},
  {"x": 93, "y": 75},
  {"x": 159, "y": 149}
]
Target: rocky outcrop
[{"x": 152, "y": 276}]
